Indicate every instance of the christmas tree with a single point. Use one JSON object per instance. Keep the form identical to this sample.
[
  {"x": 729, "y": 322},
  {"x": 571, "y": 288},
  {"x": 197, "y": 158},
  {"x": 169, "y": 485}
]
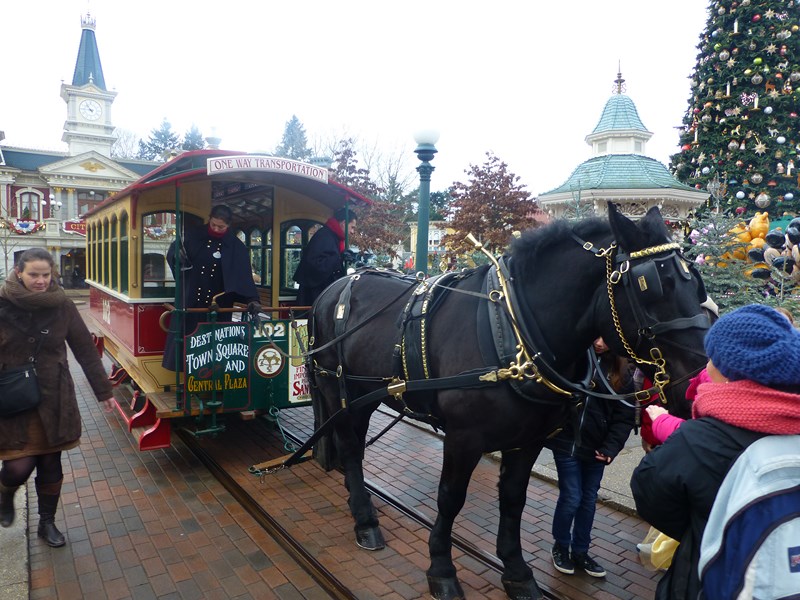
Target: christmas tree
[{"x": 742, "y": 125}]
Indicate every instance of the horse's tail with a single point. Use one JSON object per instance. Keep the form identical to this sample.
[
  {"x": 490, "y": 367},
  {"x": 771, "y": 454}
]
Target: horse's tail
[{"x": 324, "y": 451}]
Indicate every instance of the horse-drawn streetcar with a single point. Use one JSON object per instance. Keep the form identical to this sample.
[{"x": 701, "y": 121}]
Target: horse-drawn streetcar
[{"x": 242, "y": 365}]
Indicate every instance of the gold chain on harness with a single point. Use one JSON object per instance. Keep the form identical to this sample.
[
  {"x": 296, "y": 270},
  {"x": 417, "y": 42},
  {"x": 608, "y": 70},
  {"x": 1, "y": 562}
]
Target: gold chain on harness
[{"x": 660, "y": 377}]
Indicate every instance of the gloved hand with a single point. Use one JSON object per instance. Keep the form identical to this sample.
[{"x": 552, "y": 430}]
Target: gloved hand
[{"x": 253, "y": 309}]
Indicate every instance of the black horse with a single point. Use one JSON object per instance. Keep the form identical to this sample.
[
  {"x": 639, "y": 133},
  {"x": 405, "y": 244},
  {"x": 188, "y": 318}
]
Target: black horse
[{"x": 496, "y": 355}]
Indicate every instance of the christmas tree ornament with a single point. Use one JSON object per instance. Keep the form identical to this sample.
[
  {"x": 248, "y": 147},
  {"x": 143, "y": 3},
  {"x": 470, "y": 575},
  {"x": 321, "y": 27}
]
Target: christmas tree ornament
[
  {"x": 768, "y": 110},
  {"x": 763, "y": 200},
  {"x": 756, "y": 178},
  {"x": 780, "y": 139},
  {"x": 740, "y": 195},
  {"x": 756, "y": 79},
  {"x": 733, "y": 145},
  {"x": 788, "y": 196}
]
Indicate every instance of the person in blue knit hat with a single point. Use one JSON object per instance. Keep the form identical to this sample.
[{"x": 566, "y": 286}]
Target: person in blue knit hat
[
  {"x": 758, "y": 343},
  {"x": 754, "y": 367}
]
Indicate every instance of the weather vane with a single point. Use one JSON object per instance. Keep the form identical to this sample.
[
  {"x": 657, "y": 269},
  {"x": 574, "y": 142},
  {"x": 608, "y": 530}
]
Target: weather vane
[{"x": 619, "y": 82}]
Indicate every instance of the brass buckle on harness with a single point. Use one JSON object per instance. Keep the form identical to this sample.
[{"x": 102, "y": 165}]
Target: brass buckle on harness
[{"x": 396, "y": 388}]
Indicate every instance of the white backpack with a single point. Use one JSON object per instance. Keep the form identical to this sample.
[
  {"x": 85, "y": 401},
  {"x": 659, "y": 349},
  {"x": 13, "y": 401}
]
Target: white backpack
[{"x": 751, "y": 545}]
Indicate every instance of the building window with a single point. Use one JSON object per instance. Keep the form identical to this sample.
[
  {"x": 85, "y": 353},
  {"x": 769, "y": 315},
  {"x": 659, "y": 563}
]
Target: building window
[
  {"x": 602, "y": 147},
  {"x": 29, "y": 205},
  {"x": 88, "y": 199},
  {"x": 637, "y": 147}
]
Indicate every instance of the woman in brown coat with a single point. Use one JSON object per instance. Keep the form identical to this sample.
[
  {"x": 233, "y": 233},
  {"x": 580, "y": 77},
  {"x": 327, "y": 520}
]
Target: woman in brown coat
[{"x": 35, "y": 313}]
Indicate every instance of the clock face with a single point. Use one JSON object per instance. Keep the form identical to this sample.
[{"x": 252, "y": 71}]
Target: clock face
[{"x": 91, "y": 109}]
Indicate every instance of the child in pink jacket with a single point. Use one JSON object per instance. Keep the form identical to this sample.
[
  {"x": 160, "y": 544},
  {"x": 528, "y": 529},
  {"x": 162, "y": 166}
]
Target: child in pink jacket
[{"x": 663, "y": 422}]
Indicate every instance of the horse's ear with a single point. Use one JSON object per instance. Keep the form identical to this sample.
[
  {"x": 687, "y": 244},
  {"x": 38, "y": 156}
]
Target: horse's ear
[{"x": 625, "y": 231}]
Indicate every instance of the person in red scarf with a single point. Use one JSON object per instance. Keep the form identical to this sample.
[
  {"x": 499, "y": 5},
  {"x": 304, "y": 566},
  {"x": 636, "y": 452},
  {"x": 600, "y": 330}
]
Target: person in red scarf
[
  {"x": 754, "y": 367},
  {"x": 321, "y": 263}
]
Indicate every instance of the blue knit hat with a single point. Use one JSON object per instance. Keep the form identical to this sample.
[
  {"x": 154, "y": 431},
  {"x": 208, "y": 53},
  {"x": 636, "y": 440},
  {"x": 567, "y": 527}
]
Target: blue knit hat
[{"x": 757, "y": 343}]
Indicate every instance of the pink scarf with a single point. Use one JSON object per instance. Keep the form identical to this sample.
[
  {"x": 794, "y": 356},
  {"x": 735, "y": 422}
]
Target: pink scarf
[{"x": 749, "y": 405}]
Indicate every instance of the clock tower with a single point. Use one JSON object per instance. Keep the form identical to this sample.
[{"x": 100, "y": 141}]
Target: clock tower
[{"x": 88, "y": 126}]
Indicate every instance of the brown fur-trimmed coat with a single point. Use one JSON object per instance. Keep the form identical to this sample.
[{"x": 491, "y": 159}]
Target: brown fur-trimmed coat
[{"x": 19, "y": 332}]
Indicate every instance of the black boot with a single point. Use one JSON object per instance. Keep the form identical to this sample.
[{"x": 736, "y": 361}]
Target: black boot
[
  {"x": 48, "y": 494},
  {"x": 7, "y": 505}
]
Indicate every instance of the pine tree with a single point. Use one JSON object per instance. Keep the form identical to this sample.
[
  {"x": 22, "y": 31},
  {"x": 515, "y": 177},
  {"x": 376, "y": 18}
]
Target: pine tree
[
  {"x": 162, "y": 141},
  {"x": 294, "y": 144},
  {"x": 193, "y": 139},
  {"x": 742, "y": 123}
]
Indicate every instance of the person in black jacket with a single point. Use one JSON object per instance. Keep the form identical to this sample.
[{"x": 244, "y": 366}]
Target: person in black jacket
[
  {"x": 213, "y": 260},
  {"x": 754, "y": 367},
  {"x": 604, "y": 428},
  {"x": 321, "y": 263}
]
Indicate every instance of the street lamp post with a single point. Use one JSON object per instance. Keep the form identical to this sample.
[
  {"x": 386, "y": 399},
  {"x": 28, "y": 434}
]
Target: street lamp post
[
  {"x": 55, "y": 205},
  {"x": 425, "y": 151}
]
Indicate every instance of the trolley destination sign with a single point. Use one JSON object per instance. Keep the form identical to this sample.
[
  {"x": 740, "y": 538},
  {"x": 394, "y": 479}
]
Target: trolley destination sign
[
  {"x": 269, "y": 164},
  {"x": 218, "y": 359}
]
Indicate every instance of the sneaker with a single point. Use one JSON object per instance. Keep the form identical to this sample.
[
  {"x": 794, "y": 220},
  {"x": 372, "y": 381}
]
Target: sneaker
[
  {"x": 561, "y": 560},
  {"x": 588, "y": 564}
]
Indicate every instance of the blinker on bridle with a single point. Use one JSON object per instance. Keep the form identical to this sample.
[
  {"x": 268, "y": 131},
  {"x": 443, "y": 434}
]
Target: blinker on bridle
[{"x": 644, "y": 284}]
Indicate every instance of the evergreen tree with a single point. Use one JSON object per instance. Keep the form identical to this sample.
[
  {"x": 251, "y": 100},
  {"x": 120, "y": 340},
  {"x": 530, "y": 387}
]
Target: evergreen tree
[
  {"x": 491, "y": 207},
  {"x": 294, "y": 144},
  {"x": 193, "y": 139},
  {"x": 715, "y": 245},
  {"x": 162, "y": 141},
  {"x": 742, "y": 122}
]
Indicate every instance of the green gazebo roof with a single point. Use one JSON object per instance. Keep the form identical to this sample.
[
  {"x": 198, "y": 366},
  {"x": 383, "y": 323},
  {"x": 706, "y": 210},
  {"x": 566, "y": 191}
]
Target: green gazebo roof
[
  {"x": 619, "y": 113},
  {"x": 620, "y": 171}
]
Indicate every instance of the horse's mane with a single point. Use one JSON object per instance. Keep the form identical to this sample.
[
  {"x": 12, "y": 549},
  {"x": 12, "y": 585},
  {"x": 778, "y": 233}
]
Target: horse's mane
[
  {"x": 533, "y": 241},
  {"x": 649, "y": 231}
]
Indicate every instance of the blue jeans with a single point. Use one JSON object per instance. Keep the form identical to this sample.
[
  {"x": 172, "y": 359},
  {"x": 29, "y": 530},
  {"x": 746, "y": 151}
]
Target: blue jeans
[{"x": 578, "y": 483}]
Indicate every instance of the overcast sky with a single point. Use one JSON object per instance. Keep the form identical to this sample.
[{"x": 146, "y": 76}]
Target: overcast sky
[{"x": 524, "y": 79}]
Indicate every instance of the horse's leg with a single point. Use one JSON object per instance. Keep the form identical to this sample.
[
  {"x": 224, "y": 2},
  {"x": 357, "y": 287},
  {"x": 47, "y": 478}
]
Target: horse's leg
[
  {"x": 515, "y": 473},
  {"x": 461, "y": 456},
  {"x": 349, "y": 437}
]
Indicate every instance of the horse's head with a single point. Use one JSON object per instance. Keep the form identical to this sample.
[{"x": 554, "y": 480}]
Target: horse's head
[{"x": 653, "y": 304}]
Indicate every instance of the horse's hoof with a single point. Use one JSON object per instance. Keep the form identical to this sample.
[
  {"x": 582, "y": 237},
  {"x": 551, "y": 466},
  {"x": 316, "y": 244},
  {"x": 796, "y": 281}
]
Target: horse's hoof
[
  {"x": 370, "y": 538},
  {"x": 445, "y": 588},
  {"x": 523, "y": 590}
]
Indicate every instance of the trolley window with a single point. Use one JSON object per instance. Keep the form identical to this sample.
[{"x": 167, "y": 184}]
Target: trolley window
[
  {"x": 114, "y": 255},
  {"x": 259, "y": 244},
  {"x": 104, "y": 250},
  {"x": 124, "y": 283},
  {"x": 295, "y": 236},
  {"x": 158, "y": 234}
]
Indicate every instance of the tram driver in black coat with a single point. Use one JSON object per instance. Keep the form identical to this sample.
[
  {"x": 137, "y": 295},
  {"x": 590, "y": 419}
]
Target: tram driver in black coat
[
  {"x": 322, "y": 261},
  {"x": 212, "y": 261}
]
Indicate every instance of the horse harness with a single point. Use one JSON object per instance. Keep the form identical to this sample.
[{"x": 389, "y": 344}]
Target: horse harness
[{"x": 517, "y": 343}]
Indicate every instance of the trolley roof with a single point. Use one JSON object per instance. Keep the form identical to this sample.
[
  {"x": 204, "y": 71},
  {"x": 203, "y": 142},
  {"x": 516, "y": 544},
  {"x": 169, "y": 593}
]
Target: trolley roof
[{"x": 302, "y": 178}]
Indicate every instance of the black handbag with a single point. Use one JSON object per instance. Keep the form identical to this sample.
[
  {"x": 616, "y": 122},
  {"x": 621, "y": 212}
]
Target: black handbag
[{"x": 19, "y": 387}]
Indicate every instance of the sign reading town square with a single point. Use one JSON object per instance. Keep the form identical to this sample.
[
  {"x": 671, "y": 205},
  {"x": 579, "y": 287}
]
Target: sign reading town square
[
  {"x": 218, "y": 359},
  {"x": 268, "y": 164}
]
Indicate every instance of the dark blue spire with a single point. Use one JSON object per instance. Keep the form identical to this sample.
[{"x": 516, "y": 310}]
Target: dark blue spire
[{"x": 88, "y": 68}]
